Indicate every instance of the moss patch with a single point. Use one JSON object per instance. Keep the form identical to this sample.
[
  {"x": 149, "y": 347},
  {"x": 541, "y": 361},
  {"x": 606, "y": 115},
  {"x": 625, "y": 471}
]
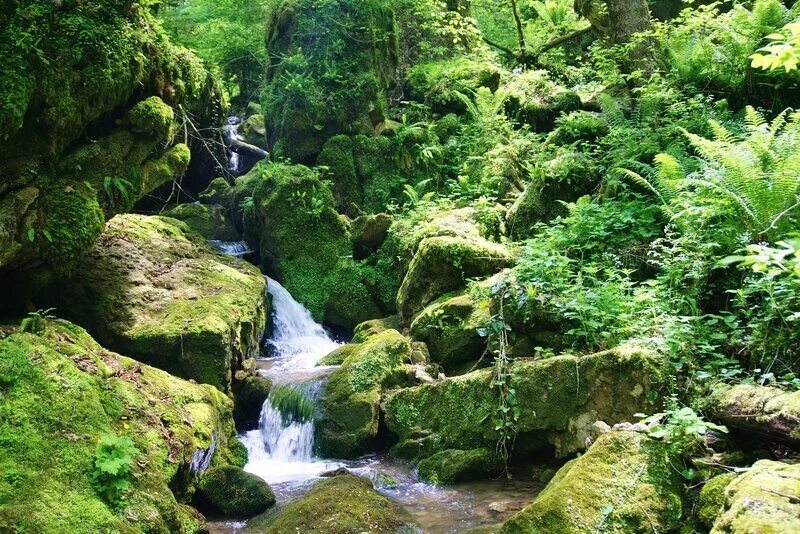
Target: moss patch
[
  {"x": 210, "y": 221},
  {"x": 231, "y": 491}
]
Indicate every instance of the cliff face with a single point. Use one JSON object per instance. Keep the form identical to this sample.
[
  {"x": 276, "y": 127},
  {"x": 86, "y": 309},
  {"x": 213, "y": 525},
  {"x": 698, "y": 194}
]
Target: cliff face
[{"x": 88, "y": 100}]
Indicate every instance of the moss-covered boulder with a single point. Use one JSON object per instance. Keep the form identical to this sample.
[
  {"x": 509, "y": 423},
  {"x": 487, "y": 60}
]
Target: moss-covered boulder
[
  {"x": 764, "y": 499},
  {"x": 367, "y": 329},
  {"x": 534, "y": 99},
  {"x": 337, "y": 166},
  {"x": 219, "y": 191},
  {"x": 449, "y": 326},
  {"x": 440, "y": 84},
  {"x": 152, "y": 289},
  {"x": 560, "y": 399},
  {"x": 305, "y": 243},
  {"x": 369, "y": 232},
  {"x": 61, "y": 394},
  {"x": 340, "y": 75},
  {"x": 624, "y": 483},
  {"x": 254, "y": 131},
  {"x": 443, "y": 264},
  {"x": 251, "y": 394},
  {"x": 210, "y": 221},
  {"x": 451, "y": 466},
  {"x": 232, "y": 491},
  {"x": 350, "y": 399},
  {"x": 343, "y": 504},
  {"x": 711, "y": 499},
  {"x": 85, "y": 127}
]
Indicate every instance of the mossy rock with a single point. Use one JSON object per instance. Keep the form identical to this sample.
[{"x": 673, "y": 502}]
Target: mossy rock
[
  {"x": 367, "y": 329},
  {"x": 152, "y": 289},
  {"x": 219, "y": 191},
  {"x": 451, "y": 466},
  {"x": 369, "y": 232},
  {"x": 711, "y": 499},
  {"x": 343, "y": 504},
  {"x": 439, "y": 83},
  {"x": 62, "y": 392},
  {"x": 233, "y": 492},
  {"x": 250, "y": 397},
  {"x": 534, "y": 99},
  {"x": 560, "y": 398},
  {"x": 305, "y": 244},
  {"x": 624, "y": 483},
  {"x": 764, "y": 499},
  {"x": 254, "y": 131},
  {"x": 444, "y": 264},
  {"x": 345, "y": 74},
  {"x": 449, "y": 327},
  {"x": 349, "y": 422},
  {"x": 210, "y": 221},
  {"x": 338, "y": 167},
  {"x": 338, "y": 356}
]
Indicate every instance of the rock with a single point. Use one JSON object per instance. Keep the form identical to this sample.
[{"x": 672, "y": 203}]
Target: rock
[
  {"x": 369, "y": 232},
  {"x": 254, "y": 132},
  {"x": 443, "y": 264},
  {"x": 439, "y": 83},
  {"x": 233, "y": 492},
  {"x": 338, "y": 356},
  {"x": 769, "y": 413},
  {"x": 352, "y": 102},
  {"x": 152, "y": 289},
  {"x": 498, "y": 507},
  {"x": 711, "y": 499},
  {"x": 62, "y": 393},
  {"x": 451, "y": 465},
  {"x": 534, "y": 99},
  {"x": 336, "y": 472},
  {"x": 348, "y": 425},
  {"x": 210, "y": 221},
  {"x": 344, "y": 504},
  {"x": 219, "y": 191},
  {"x": 337, "y": 165},
  {"x": 560, "y": 399},
  {"x": 305, "y": 244},
  {"x": 764, "y": 499},
  {"x": 381, "y": 480},
  {"x": 249, "y": 399},
  {"x": 624, "y": 483},
  {"x": 367, "y": 329},
  {"x": 449, "y": 327}
]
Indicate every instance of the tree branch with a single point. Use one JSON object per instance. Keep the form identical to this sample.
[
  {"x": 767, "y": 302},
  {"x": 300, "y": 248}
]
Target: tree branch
[{"x": 564, "y": 38}]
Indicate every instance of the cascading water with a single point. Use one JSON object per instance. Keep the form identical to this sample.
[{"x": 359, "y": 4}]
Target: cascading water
[
  {"x": 232, "y": 248},
  {"x": 281, "y": 449}
]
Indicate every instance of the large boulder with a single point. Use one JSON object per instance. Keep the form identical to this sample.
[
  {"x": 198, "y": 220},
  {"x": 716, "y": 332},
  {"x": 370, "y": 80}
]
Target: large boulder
[
  {"x": 67, "y": 403},
  {"x": 343, "y": 504},
  {"x": 443, "y": 264},
  {"x": 443, "y": 84},
  {"x": 450, "y": 328},
  {"x": 350, "y": 399},
  {"x": 534, "y": 99},
  {"x": 234, "y": 492},
  {"x": 624, "y": 483},
  {"x": 305, "y": 244},
  {"x": 87, "y": 132},
  {"x": 323, "y": 84},
  {"x": 451, "y": 465},
  {"x": 210, "y": 221},
  {"x": 560, "y": 398},
  {"x": 764, "y": 499},
  {"x": 152, "y": 289}
]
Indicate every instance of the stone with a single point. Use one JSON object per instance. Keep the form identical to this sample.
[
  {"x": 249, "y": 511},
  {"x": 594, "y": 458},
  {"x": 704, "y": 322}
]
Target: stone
[
  {"x": 233, "y": 492},
  {"x": 209, "y": 220}
]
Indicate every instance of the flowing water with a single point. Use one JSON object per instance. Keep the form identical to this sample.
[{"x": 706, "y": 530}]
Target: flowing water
[
  {"x": 281, "y": 449},
  {"x": 232, "y": 248}
]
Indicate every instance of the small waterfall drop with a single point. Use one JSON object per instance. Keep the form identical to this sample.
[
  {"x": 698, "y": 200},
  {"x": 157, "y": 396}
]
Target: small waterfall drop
[
  {"x": 281, "y": 449},
  {"x": 232, "y": 248}
]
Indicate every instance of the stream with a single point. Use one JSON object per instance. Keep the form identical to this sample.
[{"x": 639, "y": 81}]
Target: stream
[{"x": 281, "y": 448}]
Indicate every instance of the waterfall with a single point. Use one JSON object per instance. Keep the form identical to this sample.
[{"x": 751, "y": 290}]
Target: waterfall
[
  {"x": 232, "y": 248},
  {"x": 281, "y": 449}
]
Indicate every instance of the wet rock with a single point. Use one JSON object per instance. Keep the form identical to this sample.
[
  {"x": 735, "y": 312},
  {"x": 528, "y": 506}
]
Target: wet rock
[
  {"x": 764, "y": 499},
  {"x": 624, "y": 483},
  {"x": 62, "y": 393},
  {"x": 233, "y": 492},
  {"x": 250, "y": 397},
  {"x": 367, "y": 329},
  {"x": 348, "y": 425},
  {"x": 342, "y": 504},
  {"x": 369, "y": 233},
  {"x": 451, "y": 466},
  {"x": 152, "y": 289},
  {"x": 209, "y": 220},
  {"x": 336, "y": 472},
  {"x": 383, "y": 480},
  {"x": 560, "y": 399}
]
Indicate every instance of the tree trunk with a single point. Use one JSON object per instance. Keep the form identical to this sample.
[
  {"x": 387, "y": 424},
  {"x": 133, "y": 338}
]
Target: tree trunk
[
  {"x": 627, "y": 18},
  {"x": 518, "y": 24}
]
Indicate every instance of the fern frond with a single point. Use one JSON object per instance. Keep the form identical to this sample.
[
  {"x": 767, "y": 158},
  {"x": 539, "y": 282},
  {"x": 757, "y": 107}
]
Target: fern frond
[{"x": 753, "y": 119}]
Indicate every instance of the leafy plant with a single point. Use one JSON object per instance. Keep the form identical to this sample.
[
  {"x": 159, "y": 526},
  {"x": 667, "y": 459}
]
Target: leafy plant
[
  {"x": 117, "y": 189},
  {"x": 783, "y": 51},
  {"x": 680, "y": 427},
  {"x": 113, "y": 460},
  {"x": 36, "y": 321}
]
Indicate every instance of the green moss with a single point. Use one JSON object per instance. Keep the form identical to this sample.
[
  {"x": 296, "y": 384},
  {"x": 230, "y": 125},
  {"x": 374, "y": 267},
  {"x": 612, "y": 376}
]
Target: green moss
[
  {"x": 337, "y": 160},
  {"x": 534, "y": 99},
  {"x": 293, "y": 404},
  {"x": 187, "y": 309},
  {"x": 338, "y": 356},
  {"x": 306, "y": 244},
  {"x": 451, "y": 466},
  {"x": 254, "y": 131},
  {"x": 557, "y": 403},
  {"x": 60, "y": 392},
  {"x": 624, "y": 483},
  {"x": 232, "y": 491},
  {"x": 438, "y": 83},
  {"x": 152, "y": 116},
  {"x": 219, "y": 191},
  {"x": 210, "y": 221},
  {"x": 712, "y": 498},
  {"x": 759, "y": 500},
  {"x": 348, "y": 426},
  {"x": 367, "y": 329},
  {"x": 344, "y": 504}
]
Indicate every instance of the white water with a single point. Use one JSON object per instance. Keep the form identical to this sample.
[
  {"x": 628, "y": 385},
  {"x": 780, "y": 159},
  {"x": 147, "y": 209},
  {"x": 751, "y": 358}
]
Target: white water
[
  {"x": 283, "y": 453},
  {"x": 233, "y": 248}
]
